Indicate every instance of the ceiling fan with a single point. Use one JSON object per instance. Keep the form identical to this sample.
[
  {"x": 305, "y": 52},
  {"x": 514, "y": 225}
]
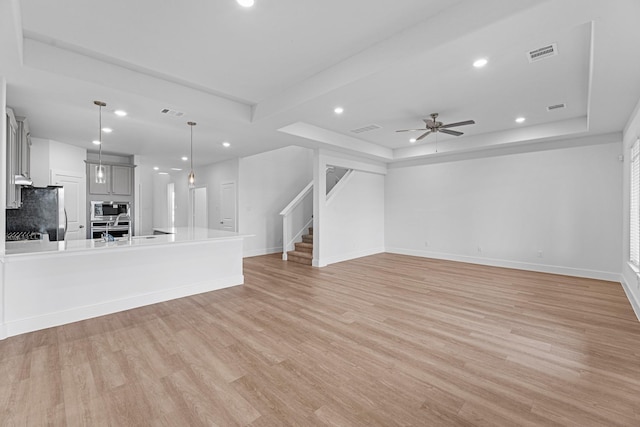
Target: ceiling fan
[{"x": 433, "y": 126}]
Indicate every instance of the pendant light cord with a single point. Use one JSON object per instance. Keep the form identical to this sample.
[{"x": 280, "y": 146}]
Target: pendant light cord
[
  {"x": 192, "y": 176},
  {"x": 100, "y": 135},
  {"x": 100, "y": 104}
]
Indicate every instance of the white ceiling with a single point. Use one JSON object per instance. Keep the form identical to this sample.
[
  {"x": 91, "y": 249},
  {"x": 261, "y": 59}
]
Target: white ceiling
[{"x": 270, "y": 76}]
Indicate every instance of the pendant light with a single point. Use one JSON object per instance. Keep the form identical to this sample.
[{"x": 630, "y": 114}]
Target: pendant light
[
  {"x": 192, "y": 176},
  {"x": 101, "y": 173}
]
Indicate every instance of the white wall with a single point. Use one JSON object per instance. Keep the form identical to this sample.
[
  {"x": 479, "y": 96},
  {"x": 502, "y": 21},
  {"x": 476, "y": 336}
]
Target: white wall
[
  {"x": 211, "y": 177},
  {"x": 67, "y": 157},
  {"x": 160, "y": 202},
  {"x": 630, "y": 276},
  {"x": 353, "y": 221},
  {"x": 267, "y": 183},
  {"x": 3, "y": 182},
  {"x": 48, "y": 155},
  {"x": 556, "y": 210},
  {"x": 40, "y": 162},
  {"x": 144, "y": 197}
]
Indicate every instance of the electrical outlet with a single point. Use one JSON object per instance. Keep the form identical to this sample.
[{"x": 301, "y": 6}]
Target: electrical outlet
[
  {"x": 426, "y": 243},
  {"x": 479, "y": 249},
  {"x": 539, "y": 254}
]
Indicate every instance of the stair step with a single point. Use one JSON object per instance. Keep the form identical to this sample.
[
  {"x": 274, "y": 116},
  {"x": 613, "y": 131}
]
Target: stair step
[
  {"x": 307, "y": 238},
  {"x": 304, "y": 247},
  {"x": 311, "y": 231},
  {"x": 299, "y": 257},
  {"x": 300, "y": 254}
]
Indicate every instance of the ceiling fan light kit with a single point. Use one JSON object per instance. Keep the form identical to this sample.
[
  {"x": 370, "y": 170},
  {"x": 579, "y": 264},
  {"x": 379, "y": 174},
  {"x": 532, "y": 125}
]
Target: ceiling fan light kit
[{"x": 434, "y": 126}]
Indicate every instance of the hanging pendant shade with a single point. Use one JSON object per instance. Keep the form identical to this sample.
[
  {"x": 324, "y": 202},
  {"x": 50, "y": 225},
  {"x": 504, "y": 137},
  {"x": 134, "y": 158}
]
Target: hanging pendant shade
[
  {"x": 192, "y": 176},
  {"x": 101, "y": 173}
]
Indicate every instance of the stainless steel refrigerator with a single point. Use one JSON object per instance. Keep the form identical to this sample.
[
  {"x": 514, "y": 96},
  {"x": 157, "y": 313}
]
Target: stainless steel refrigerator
[{"x": 42, "y": 211}]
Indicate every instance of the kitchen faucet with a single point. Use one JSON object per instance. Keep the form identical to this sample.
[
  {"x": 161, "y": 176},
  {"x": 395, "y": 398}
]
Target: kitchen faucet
[
  {"x": 118, "y": 218},
  {"x": 115, "y": 223}
]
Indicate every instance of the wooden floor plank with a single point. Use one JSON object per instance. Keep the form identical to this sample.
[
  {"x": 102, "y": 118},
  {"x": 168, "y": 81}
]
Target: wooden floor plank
[{"x": 378, "y": 341}]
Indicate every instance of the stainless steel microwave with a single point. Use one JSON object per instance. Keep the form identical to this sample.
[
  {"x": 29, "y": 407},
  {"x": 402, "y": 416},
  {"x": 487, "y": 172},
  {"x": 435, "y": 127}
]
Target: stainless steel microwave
[{"x": 107, "y": 211}]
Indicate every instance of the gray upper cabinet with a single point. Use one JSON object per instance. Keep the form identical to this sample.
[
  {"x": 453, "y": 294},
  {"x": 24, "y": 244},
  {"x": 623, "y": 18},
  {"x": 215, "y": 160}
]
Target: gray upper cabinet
[
  {"x": 118, "y": 182},
  {"x": 24, "y": 148},
  {"x": 18, "y": 158},
  {"x": 13, "y": 191},
  {"x": 121, "y": 180}
]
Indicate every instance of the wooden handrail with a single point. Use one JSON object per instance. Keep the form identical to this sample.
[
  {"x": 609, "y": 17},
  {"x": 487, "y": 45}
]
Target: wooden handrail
[{"x": 296, "y": 201}]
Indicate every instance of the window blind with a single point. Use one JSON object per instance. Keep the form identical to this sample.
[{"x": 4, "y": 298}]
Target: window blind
[{"x": 634, "y": 205}]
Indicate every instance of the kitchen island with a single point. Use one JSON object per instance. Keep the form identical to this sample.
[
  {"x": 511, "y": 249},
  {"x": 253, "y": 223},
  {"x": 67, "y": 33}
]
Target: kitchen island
[{"x": 52, "y": 283}]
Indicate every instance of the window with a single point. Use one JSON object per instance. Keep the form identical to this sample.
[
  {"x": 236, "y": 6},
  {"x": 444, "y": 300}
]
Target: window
[{"x": 634, "y": 205}]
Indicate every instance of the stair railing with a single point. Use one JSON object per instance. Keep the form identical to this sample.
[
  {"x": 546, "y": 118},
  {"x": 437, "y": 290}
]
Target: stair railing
[{"x": 296, "y": 218}]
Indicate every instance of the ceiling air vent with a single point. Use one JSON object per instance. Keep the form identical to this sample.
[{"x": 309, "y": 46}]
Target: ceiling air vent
[
  {"x": 366, "y": 129},
  {"x": 173, "y": 113},
  {"x": 542, "y": 53},
  {"x": 556, "y": 107}
]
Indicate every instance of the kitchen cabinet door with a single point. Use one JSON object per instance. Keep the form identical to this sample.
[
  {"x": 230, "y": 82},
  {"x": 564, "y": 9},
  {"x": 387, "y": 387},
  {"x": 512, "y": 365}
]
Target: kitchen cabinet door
[
  {"x": 24, "y": 151},
  {"x": 13, "y": 192},
  {"x": 94, "y": 187},
  {"x": 121, "y": 180}
]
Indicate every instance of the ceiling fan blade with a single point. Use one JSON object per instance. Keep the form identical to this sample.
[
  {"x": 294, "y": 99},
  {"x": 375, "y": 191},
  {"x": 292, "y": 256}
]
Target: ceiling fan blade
[
  {"x": 430, "y": 123},
  {"x": 451, "y": 125},
  {"x": 423, "y": 135},
  {"x": 451, "y": 132},
  {"x": 410, "y": 130}
]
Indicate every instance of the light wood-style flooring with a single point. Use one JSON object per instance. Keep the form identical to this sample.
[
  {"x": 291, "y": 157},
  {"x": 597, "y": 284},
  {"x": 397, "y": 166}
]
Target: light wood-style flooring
[{"x": 383, "y": 340}]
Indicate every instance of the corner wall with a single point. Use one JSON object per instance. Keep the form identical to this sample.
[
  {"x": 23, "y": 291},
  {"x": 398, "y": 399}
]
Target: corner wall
[
  {"x": 556, "y": 211},
  {"x": 630, "y": 275},
  {"x": 351, "y": 223},
  {"x": 267, "y": 183}
]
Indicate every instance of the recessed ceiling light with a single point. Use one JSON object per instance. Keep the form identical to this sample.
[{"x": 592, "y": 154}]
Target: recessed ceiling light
[
  {"x": 520, "y": 120},
  {"x": 246, "y": 3},
  {"x": 107, "y": 130},
  {"x": 412, "y": 140},
  {"x": 226, "y": 144},
  {"x": 479, "y": 63},
  {"x": 185, "y": 158},
  {"x": 163, "y": 173},
  {"x": 96, "y": 142},
  {"x": 338, "y": 110},
  {"x": 176, "y": 169},
  {"x": 155, "y": 168},
  {"x": 120, "y": 113}
]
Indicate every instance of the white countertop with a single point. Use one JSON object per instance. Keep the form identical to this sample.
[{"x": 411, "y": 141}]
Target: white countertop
[{"x": 174, "y": 235}]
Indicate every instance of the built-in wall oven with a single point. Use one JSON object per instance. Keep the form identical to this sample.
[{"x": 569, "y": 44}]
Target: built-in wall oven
[{"x": 112, "y": 218}]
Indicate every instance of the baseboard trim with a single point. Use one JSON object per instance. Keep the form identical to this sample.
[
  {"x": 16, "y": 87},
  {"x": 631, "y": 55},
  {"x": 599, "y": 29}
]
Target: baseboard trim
[
  {"x": 635, "y": 304},
  {"x": 259, "y": 252},
  {"x": 541, "y": 268},
  {"x": 350, "y": 256},
  {"x": 49, "y": 320}
]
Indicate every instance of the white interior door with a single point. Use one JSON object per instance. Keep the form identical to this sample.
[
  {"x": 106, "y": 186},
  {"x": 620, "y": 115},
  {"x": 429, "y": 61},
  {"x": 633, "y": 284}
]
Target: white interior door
[
  {"x": 200, "y": 208},
  {"x": 74, "y": 202},
  {"x": 228, "y": 206}
]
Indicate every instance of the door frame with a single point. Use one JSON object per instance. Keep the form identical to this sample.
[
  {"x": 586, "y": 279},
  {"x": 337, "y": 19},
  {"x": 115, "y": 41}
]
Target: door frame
[{"x": 235, "y": 208}]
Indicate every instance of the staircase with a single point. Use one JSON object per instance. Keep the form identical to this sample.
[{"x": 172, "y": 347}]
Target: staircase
[{"x": 303, "y": 252}]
